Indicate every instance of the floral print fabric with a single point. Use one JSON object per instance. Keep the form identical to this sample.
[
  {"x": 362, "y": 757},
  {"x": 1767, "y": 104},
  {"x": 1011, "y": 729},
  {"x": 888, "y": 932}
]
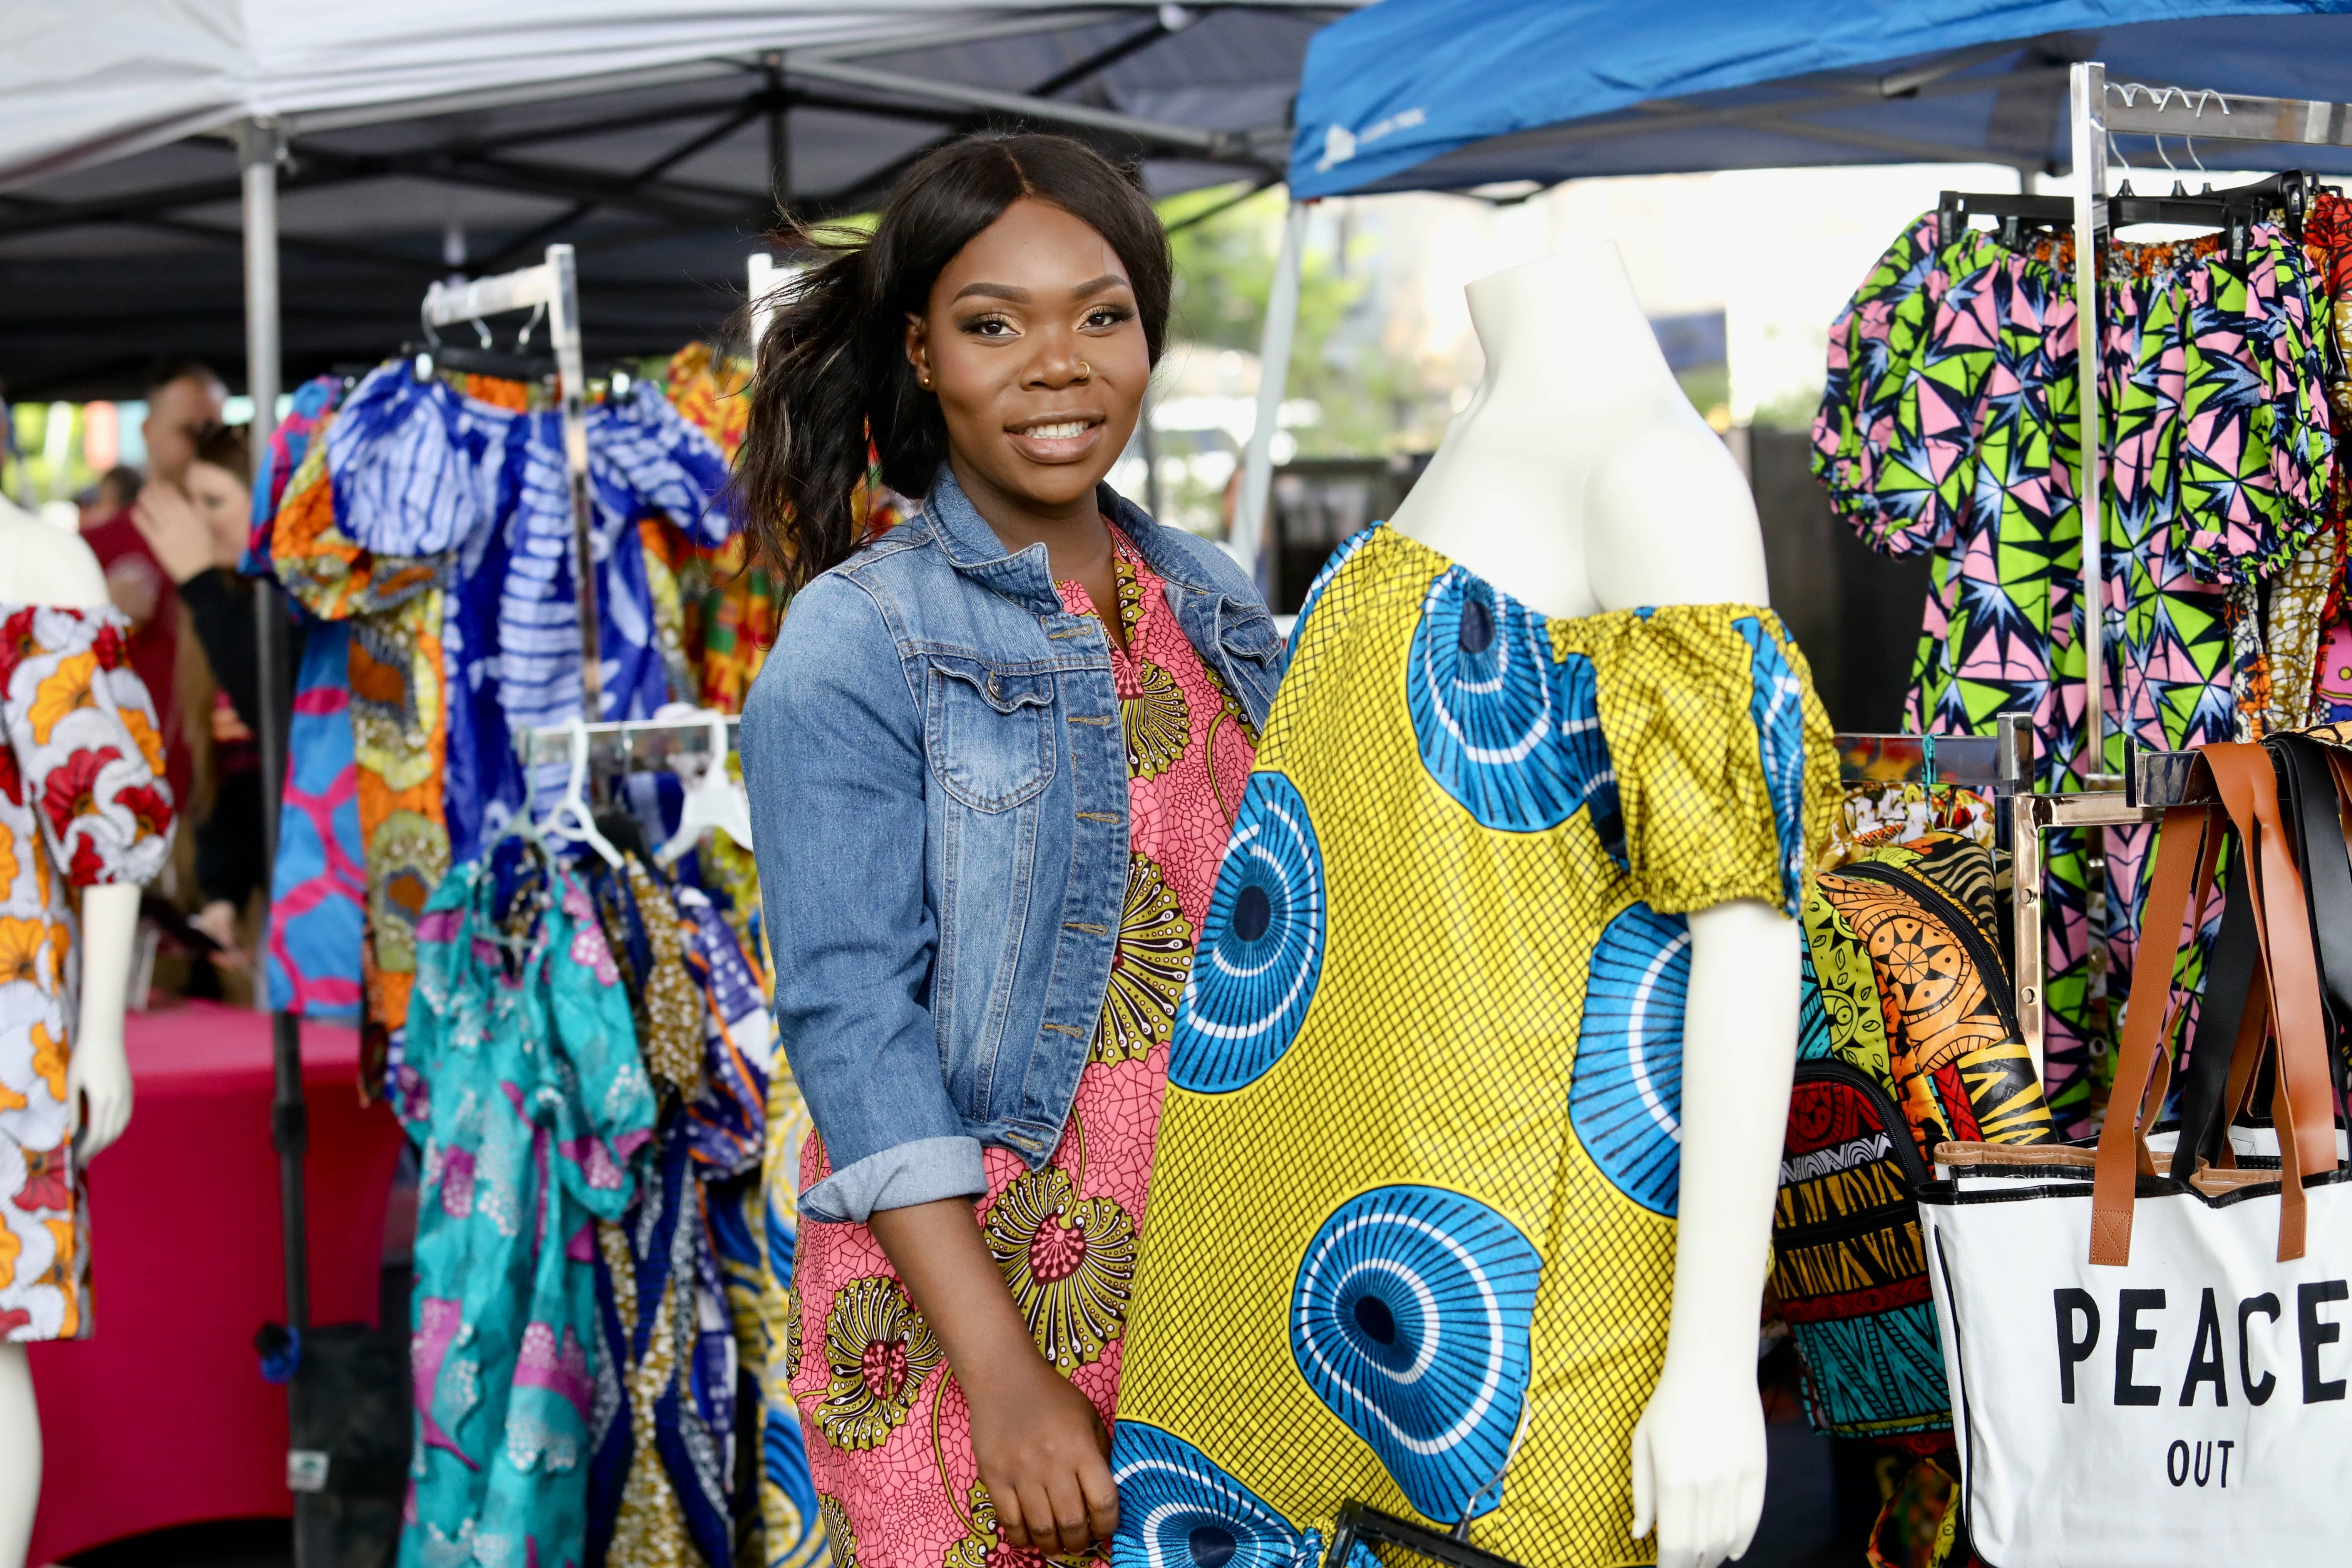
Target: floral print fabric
[
  {"x": 529, "y": 1107},
  {"x": 82, "y": 803},
  {"x": 1949, "y": 429},
  {"x": 889, "y": 1434}
]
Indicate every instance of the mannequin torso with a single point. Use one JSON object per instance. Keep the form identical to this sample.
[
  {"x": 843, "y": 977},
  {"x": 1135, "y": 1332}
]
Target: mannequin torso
[
  {"x": 43, "y": 566},
  {"x": 1580, "y": 480}
]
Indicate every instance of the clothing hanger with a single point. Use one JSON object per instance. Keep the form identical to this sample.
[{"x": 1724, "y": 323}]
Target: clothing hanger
[
  {"x": 2234, "y": 211},
  {"x": 712, "y": 800},
  {"x": 572, "y": 816}
]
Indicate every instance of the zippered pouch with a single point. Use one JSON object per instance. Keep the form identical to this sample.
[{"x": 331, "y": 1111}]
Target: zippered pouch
[{"x": 1909, "y": 1039}]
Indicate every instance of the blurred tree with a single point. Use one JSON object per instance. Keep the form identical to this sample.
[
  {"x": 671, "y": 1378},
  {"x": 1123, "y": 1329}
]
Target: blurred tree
[{"x": 1372, "y": 402}]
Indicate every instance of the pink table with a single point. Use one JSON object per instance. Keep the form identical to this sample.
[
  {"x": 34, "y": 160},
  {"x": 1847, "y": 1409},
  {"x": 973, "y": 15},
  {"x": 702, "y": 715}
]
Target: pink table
[{"x": 161, "y": 1417}]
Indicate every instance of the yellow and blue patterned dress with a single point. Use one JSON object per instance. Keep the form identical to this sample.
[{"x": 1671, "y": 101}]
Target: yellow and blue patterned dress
[{"x": 1417, "y": 1177}]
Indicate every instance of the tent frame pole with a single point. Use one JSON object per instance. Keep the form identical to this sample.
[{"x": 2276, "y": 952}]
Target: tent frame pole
[
  {"x": 260, "y": 142},
  {"x": 2086, "y": 87},
  {"x": 1251, "y": 507}
]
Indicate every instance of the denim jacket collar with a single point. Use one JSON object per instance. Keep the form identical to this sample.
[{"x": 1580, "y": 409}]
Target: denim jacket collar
[{"x": 972, "y": 548}]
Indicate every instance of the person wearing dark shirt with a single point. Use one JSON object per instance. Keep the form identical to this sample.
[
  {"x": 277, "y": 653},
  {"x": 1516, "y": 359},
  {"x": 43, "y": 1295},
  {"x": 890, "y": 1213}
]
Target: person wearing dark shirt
[{"x": 183, "y": 397}]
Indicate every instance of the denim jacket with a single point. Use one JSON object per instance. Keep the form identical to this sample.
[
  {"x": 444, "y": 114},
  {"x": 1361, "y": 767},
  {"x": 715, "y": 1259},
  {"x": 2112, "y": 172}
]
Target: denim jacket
[{"x": 938, "y": 789}]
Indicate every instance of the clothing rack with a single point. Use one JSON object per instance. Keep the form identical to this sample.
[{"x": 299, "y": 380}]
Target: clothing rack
[
  {"x": 552, "y": 287},
  {"x": 2097, "y": 108},
  {"x": 2234, "y": 210},
  {"x": 2151, "y": 781},
  {"x": 625, "y": 746}
]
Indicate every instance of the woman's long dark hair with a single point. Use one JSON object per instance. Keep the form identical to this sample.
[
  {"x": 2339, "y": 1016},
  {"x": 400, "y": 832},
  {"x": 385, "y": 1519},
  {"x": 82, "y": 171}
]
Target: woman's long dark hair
[{"x": 833, "y": 365}]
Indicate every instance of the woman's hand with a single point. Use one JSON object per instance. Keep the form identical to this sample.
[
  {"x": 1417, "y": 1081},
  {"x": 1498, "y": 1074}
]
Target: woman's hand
[
  {"x": 1043, "y": 1456},
  {"x": 1042, "y": 1450},
  {"x": 167, "y": 521}
]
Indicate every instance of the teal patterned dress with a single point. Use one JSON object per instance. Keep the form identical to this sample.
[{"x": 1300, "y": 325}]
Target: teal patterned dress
[{"x": 533, "y": 1111}]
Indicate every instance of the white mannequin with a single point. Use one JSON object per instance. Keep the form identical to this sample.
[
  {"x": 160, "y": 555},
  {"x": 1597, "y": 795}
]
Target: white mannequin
[
  {"x": 41, "y": 565},
  {"x": 1581, "y": 480}
]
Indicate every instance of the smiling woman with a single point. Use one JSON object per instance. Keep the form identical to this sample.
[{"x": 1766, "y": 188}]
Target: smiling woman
[{"x": 992, "y": 762}]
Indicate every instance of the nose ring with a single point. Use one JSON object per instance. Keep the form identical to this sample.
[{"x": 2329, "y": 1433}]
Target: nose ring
[{"x": 1086, "y": 371}]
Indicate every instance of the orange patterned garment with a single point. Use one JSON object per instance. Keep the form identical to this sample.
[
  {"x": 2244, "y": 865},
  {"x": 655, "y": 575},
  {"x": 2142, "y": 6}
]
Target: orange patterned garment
[
  {"x": 82, "y": 803},
  {"x": 888, "y": 1431}
]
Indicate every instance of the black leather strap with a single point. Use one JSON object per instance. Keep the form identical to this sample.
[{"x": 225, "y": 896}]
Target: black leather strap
[
  {"x": 2313, "y": 812},
  {"x": 2229, "y": 972}
]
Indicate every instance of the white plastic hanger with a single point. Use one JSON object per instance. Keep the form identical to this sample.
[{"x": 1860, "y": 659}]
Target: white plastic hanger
[
  {"x": 572, "y": 817},
  {"x": 712, "y": 800}
]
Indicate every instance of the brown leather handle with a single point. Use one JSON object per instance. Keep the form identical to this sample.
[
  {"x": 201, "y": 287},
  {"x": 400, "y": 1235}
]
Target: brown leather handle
[
  {"x": 2301, "y": 1107},
  {"x": 2180, "y": 846}
]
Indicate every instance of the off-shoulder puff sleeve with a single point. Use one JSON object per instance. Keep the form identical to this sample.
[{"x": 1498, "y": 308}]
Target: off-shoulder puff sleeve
[
  {"x": 1725, "y": 769},
  {"x": 84, "y": 751}
]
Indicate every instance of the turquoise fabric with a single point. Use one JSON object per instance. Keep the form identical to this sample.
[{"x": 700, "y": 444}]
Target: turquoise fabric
[{"x": 536, "y": 1111}]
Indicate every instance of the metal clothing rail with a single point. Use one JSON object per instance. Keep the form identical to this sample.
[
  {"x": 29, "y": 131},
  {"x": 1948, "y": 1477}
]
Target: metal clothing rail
[
  {"x": 553, "y": 285},
  {"x": 2152, "y": 782},
  {"x": 626, "y": 746},
  {"x": 2003, "y": 761}
]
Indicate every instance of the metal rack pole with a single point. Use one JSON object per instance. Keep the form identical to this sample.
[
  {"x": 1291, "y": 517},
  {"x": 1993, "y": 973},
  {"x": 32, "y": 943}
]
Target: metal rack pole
[
  {"x": 571, "y": 377},
  {"x": 289, "y": 1124},
  {"x": 2087, "y": 86}
]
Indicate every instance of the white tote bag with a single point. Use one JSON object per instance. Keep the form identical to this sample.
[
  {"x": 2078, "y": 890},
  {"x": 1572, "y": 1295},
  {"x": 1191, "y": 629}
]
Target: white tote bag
[{"x": 2148, "y": 1372}]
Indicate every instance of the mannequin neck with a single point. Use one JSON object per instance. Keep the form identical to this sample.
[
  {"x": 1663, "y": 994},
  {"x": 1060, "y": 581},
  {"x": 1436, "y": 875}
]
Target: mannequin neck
[
  {"x": 1572, "y": 370},
  {"x": 1565, "y": 340}
]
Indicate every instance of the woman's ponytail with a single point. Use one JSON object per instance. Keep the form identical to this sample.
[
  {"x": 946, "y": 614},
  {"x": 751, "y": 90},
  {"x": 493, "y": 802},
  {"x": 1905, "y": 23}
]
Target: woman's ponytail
[{"x": 803, "y": 449}]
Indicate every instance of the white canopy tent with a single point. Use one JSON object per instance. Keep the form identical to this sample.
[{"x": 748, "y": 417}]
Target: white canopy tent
[
  {"x": 82, "y": 84},
  {"x": 412, "y": 140}
]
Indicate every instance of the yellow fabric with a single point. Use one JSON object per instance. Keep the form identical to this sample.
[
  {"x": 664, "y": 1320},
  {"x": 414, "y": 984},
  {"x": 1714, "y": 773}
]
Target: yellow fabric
[{"x": 1440, "y": 1047}]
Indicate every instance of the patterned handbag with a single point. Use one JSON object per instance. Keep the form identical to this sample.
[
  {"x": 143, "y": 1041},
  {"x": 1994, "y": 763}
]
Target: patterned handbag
[{"x": 1907, "y": 1035}]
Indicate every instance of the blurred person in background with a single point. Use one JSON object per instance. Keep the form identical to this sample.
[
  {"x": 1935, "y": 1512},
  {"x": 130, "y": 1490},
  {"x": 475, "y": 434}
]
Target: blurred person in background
[
  {"x": 196, "y": 530},
  {"x": 109, "y": 498},
  {"x": 184, "y": 396}
]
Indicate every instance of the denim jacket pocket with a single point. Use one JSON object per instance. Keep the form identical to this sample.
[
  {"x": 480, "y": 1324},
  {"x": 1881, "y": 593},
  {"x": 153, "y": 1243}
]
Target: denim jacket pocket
[
  {"x": 989, "y": 731},
  {"x": 1250, "y": 635}
]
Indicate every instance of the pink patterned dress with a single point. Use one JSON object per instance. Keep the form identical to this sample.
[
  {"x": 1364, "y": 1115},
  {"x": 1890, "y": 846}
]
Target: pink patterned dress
[{"x": 888, "y": 1434}]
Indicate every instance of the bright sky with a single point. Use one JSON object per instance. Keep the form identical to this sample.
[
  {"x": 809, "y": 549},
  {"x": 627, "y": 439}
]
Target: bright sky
[{"x": 1779, "y": 251}]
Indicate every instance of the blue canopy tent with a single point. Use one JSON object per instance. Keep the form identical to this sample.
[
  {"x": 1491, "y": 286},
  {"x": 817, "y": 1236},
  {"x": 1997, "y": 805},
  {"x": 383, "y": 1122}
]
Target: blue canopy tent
[
  {"x": 1459, "y": 94},
  {"x": 1449, "y": 94}
]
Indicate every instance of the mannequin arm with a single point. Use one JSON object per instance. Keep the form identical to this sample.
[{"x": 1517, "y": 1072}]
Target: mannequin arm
[
  {"x": 97, "y": 1079},
  {"x": 1699, "y": 1450}
]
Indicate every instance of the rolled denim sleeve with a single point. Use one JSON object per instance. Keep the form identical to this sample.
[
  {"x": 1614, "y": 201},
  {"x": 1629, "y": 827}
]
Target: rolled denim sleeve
[{"x": 833, "y": 759}]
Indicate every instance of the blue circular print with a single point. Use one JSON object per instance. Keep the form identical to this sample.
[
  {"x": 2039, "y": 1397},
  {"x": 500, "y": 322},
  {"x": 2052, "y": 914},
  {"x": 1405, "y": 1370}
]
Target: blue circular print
[
  {"x": 1409, "y": 1320},
  {"x": 1510, "y": 732},
  {"x": 1261, "y": 947},
  {"x": 1626, "y": 1100},
  {"x": 1179, "y": 1508}
]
